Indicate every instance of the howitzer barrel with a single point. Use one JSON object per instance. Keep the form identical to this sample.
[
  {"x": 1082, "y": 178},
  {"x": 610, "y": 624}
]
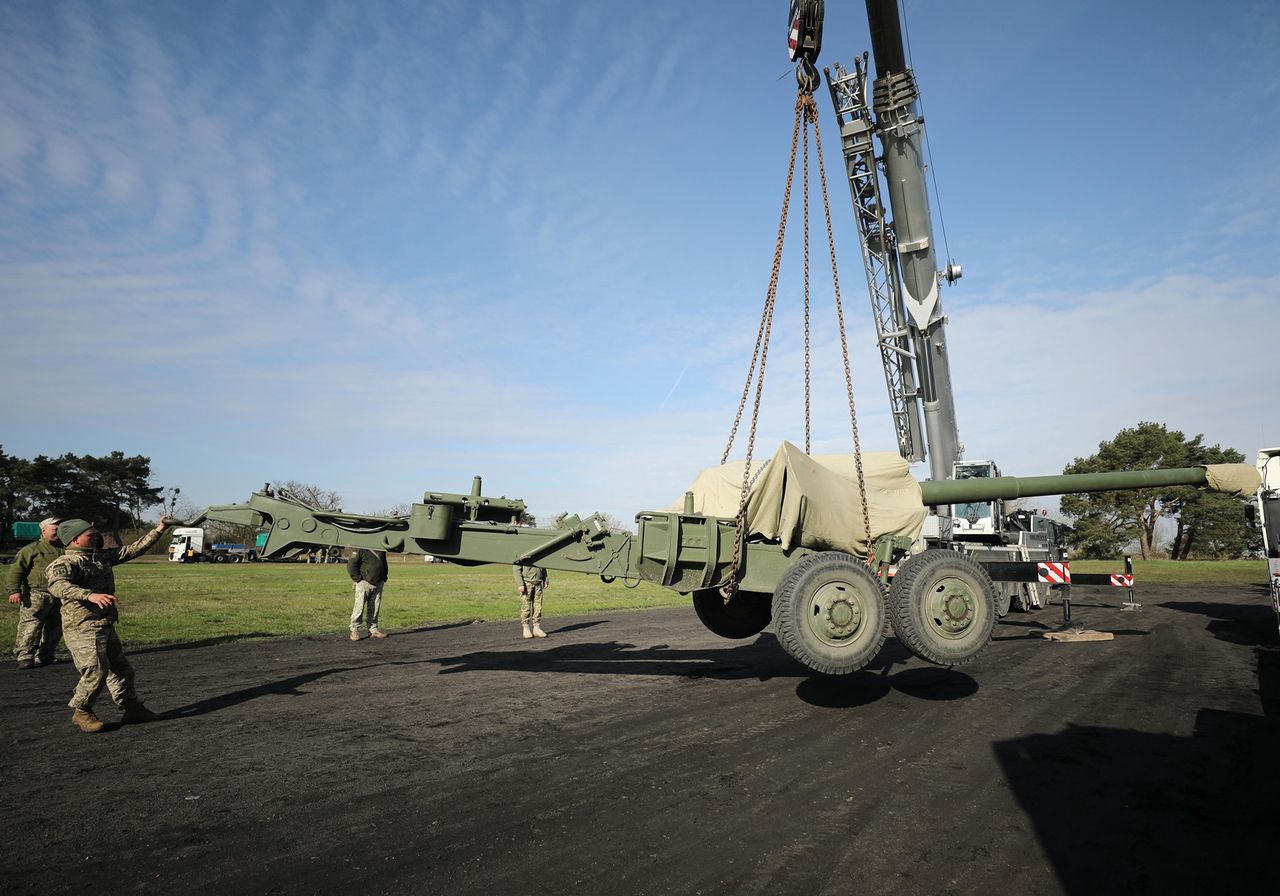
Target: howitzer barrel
[{"x": 960, "y": 491}]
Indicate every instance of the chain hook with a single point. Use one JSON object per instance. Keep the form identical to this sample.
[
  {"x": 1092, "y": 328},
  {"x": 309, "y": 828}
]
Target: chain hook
[{"x": 807, "y": 76}]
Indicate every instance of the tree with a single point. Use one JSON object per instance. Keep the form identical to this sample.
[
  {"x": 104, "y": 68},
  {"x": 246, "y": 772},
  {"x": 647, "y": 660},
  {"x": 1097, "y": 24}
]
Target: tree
[
  {"x": 312, "y": 495},
  {"x": 1212, "y": 526},
  {"x": 112, "y": 491},
  {"x": 14, "y": 500},
  {"x": 122, "y": 487},
  {"x": 1107, "y": 521},
  {"x": 614, "y": 524}
]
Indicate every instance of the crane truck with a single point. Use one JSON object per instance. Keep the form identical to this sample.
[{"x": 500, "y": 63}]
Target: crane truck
[{"x": 895, "y": 229}]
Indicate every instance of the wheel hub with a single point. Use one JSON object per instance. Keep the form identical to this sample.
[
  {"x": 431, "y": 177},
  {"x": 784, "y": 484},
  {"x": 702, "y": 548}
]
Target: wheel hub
[
  {"x": 836, "y": 614},
  {"x": 952, "y": 607}
]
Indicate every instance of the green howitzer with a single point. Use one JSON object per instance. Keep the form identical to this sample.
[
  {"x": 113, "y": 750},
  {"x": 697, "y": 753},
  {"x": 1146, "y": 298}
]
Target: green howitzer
[
  {"x": 829, "y": 608},
  {"x": 1008, "y": 488}
]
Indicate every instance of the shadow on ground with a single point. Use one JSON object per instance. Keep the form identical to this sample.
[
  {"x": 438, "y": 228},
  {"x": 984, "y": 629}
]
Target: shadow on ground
[
  {"x": 286, "y": 687},
  {"x": 1235, "y": 623}
]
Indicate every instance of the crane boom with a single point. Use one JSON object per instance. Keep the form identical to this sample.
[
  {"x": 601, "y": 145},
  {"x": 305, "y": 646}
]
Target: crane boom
[{"x": 900, "y": 257}]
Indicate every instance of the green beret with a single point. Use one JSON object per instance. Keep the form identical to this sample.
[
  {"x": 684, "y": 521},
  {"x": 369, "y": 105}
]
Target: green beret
[{"x": 70, "y": 530}]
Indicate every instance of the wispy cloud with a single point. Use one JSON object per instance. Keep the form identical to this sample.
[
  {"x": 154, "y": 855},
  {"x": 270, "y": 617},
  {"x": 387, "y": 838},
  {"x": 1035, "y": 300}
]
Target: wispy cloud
[{"x": 388, "y": 247}]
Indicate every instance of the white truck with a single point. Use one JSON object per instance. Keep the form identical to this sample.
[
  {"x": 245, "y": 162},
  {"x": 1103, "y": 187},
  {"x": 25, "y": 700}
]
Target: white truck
[{"x": 186, "y": 545}]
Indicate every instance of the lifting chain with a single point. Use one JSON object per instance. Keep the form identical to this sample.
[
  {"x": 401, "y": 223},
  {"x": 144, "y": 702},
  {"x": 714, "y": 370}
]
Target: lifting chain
[
  {"x": 844, "y": 349},
  {"x": 806, "y": 112}
]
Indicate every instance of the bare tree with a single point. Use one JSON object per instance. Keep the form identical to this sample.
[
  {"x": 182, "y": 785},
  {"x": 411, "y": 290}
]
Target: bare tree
[
  {"x": 615, "y": 524},
  {"x": 312, "y": 495}
]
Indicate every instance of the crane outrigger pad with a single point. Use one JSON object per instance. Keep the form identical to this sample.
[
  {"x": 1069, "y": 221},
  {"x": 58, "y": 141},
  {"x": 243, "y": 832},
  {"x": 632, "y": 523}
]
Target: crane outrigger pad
[{"x": 798, "y": 500}]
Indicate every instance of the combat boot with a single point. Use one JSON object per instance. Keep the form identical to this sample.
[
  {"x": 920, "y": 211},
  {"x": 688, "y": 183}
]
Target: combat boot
[
  {"x": 538, "y": 632},
  {"x": 377, "y": 633},
  {"x": 135, "y": 713},
  {"x": 525, "y": 633},
  {"x": 26, "y": 664},
  {"x": 86, "y": 721}
]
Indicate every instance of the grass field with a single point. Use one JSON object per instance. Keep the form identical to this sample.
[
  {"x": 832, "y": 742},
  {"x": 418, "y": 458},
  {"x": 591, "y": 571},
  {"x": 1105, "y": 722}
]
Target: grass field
[
  {"x": 168, "y": 603},
  {"x": 161, "y": 602}
]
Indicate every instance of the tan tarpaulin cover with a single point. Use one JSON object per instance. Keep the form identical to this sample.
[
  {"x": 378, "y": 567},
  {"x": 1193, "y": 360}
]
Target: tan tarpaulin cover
[
  {"x": 1239, "y": 480},
  {"x": 814, "y": 501}
]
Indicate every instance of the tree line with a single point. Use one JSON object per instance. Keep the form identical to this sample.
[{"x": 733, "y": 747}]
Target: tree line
[
  {"x": 1200, "y": 525},
  {"x": 112, "y": 490}
]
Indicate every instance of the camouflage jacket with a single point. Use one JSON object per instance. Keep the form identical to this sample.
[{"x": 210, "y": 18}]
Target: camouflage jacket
[
  {"x": 28, "y": 571},
  {"x": 78, "y": 573},
  {"x": 530, "y": 575}
]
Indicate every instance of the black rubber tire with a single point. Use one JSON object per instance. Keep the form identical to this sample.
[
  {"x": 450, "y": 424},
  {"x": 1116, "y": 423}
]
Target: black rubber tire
[
  {"x": 810, "y": 635},
  {"x": 919, "y": 625},
  {"x": 1004, "y": 594},
  {"x": 745, "y": 616}
]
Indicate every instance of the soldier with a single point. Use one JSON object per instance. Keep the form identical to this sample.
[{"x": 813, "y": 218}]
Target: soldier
[
  {"x": 39, "y": 616},
  {"x": 531, "y": 581},
  {"x": 83, "y": 579},
  {"x": 368, "y": 569}
]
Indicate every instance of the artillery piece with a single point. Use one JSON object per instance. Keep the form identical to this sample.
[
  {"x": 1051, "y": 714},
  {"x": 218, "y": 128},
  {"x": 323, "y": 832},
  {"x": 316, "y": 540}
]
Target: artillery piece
[{"x": 828, "y": 605}]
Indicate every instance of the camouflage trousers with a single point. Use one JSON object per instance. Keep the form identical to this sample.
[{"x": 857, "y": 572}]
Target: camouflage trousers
[
  {"x": 531, "y": 605},
  {"x": 368, "y": 605},
  {"x": 39, "y": 627},
  {"x": 99, "y": 657}
]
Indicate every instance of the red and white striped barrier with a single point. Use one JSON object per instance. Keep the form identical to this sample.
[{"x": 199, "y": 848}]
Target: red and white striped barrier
[{"x": 1054, "y": 573}]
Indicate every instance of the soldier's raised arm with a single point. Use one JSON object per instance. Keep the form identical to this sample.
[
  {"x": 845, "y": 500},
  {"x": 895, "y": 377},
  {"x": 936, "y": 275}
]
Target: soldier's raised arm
[{"x": 139, "y": 547}]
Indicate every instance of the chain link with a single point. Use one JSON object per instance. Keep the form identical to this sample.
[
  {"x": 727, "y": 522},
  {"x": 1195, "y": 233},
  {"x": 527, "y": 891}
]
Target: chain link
[
  {"x": 807, "y": 114},
  {"x": 844, "y": 349},
  {"x": 761, "y": 353}
]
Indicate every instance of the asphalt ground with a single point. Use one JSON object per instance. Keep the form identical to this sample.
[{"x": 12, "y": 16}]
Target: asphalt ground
[{"x": 638, "y": 753}]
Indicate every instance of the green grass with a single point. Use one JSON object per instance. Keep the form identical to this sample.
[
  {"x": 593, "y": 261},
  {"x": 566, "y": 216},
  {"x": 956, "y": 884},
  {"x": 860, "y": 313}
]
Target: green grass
[
  {"x": 1227, "y": 572},
  {"x": 163, "y": 603}
]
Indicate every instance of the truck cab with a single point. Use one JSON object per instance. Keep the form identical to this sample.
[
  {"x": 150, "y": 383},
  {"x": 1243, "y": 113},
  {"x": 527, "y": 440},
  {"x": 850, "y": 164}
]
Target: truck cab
[
  {"x": 186, "y": 545},
  {"x": 976, "y": 519}
]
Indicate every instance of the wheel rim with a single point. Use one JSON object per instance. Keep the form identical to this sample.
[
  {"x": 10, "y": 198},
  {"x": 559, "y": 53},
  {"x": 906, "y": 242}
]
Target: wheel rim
[
  {"x": 836, "y": 615},
  {"x": 951, "y": 609}
]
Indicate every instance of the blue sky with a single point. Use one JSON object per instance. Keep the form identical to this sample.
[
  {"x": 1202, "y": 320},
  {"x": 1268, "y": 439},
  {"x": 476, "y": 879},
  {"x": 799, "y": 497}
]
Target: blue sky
[{"x": 384, "y": 247}]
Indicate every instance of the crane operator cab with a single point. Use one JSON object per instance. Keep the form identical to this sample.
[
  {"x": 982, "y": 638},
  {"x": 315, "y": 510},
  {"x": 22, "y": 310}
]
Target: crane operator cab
[{"x": 976, "y": 518}]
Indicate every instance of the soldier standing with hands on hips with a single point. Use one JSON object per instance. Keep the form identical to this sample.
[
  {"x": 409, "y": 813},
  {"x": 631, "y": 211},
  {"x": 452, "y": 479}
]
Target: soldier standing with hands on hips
[
  {"x": 39, "y": 616},
  {"x": 83, "y": 579}
]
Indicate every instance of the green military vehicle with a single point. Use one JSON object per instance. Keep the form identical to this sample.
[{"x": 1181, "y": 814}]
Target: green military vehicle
[{"x": 800, "y": 559}]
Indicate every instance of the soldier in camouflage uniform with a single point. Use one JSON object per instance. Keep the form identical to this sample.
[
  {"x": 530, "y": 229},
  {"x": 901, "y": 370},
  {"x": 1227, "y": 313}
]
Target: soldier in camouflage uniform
[
  {"x": 39, "y": 616},
  {"x": 83, "y": 579},
  {"x": 531, "y": 581}
]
